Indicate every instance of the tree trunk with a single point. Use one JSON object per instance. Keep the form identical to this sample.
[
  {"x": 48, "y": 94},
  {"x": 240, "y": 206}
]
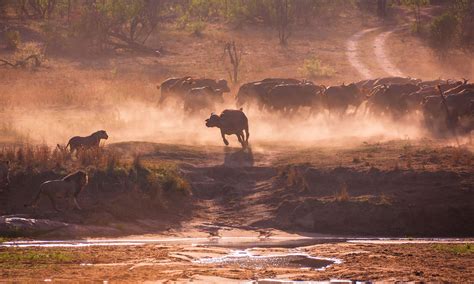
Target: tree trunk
[{"x": 382, "y": 8}]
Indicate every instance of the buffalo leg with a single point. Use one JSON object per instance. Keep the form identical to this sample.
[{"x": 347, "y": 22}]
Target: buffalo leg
[
  {"x": 223, "y": 138},
  {"x": 247, "y": 133},
  {"x": 356, "y": 109},
  {"x": 77, "y": 204},
  {"x": 240, "y": 138}
]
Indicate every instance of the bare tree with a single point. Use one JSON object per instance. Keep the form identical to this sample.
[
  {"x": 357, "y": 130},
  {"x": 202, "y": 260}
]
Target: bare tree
[
  {"x": 235, "y": 57},
  {"x": 42, "y": 8},
  {"x": 416, "y": 6},
  {"x": 382, "y": 8},
  {"x": 283, "y": 20}
]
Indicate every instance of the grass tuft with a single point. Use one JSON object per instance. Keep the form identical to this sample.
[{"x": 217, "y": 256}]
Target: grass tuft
[
  {"x": 36, "y": 257},
  {"x": 460, "y": 249},
  {"x": 313, "y": 68},
  {"x": 343, "y": 195}
]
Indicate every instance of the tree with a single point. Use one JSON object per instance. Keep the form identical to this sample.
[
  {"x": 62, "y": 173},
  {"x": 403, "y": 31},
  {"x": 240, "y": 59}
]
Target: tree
[
  {"x": 443, "y": 31},
  {"x": 118, "y": 23},
  {"x": 283, "y": 20},
  {"x": 42, "y": 8},
  {"x": 464, "y": 13},
  {"x": 235, "y": 57},
  {"x": 382, "y": 8},
  {"x": 416, "y": 5}
]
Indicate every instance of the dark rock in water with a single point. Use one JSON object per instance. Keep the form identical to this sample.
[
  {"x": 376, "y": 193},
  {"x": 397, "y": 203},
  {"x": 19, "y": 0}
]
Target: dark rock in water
[{"x": 23, "y": 226}]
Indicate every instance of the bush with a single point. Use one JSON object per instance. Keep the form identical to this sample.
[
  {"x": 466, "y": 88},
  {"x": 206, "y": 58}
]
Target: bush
[
  {"x": 56, "y": 37},
  {"x": 159, "y": 181},
  {"x": 30, "y": 49},
  {"x": 313, "y": 68},
  {"x": 197, "y": 28},
  {"x": 12, "y": 39},
  {"x": 443, "y": 33}
]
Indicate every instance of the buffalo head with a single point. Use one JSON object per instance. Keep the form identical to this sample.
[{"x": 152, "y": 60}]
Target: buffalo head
[
  {"x": 213, "y": 121},
  {"x": 223, "y": 86}
]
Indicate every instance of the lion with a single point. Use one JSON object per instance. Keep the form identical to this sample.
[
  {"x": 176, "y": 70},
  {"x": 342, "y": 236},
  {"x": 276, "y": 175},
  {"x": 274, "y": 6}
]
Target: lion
[
  {"x": 91, "y": 141},
  {"x": 71, "y": 184}
]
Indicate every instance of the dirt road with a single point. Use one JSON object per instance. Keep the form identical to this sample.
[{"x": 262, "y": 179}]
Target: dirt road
[{"x": 377, "y": 52}]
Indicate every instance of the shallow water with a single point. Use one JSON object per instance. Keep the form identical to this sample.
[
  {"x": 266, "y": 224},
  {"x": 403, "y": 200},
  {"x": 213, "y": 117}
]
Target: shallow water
[
  {"x": 245, "y": 259},
  {"x": 229, "y": 242}
]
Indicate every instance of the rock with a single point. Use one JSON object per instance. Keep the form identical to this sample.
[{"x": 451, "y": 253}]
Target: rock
[
  {"x": 24, "y": 226},
  {"x": 18, "y": 226}
]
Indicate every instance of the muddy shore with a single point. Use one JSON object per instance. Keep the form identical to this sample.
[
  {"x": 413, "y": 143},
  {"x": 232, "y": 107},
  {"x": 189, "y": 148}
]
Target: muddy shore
[
  {"x": 394, "y": 189},
  {"x": 176, "y": 263}
]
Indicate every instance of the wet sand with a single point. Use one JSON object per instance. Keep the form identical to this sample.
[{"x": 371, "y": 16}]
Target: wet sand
[{"x": 408, "y": 261}]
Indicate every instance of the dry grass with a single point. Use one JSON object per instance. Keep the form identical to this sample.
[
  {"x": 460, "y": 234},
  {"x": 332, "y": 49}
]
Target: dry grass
[
  {"x": 150, "y": 177},
  {"x": 44, "y": 158},
  {"x": 342, "y": 195}
]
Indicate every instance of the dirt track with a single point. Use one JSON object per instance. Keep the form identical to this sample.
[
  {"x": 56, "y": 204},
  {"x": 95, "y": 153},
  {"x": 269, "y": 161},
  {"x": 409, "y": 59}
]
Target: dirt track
[{"x": 378, "y": 51}]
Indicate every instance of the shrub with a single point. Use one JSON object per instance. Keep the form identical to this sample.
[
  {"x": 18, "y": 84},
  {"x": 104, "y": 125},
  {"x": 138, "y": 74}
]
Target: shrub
[
  {"x": 182, "y": 21},
  {"x": 30, "y": 49},
  {"x": 443, "y": 33},
  {"x": 56, "y": 38},
  {"x": 197, "y": 28},
  {"x": 172, "y": 182},
  {"x": 313, "y": 68},
  {"x": 12, "y": 39},
  {"x": 342, "y": 195}
]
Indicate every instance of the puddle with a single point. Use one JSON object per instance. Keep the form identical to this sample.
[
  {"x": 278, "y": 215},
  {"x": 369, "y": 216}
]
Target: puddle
[
  {"x": 332, "y": 281},
  {"x": 401, "y": 241},
  {"x": 244, "y": 259}
]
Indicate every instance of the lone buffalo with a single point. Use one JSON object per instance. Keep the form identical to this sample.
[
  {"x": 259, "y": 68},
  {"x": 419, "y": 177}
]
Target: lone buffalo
[{"x": 231, "y": 122}]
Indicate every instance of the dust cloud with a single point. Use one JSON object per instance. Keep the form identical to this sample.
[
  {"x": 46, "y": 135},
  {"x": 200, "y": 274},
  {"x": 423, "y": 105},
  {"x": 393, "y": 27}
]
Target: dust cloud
[{"x": 137, "y": 120}]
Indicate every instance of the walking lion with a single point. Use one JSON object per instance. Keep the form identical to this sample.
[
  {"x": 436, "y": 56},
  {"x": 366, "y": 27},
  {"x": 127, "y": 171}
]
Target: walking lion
[{"x": 69, "y": 187}]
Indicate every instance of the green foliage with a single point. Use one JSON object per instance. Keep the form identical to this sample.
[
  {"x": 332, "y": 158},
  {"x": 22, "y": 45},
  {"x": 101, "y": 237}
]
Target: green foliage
[
  {"x": 36, "y": 257},
  {"x": 98, "y": 26},
  {"x": 443, "y": 32},
  {"x": 463, "y": 10},
  {"x": 158, "y": 180},
  {"x": 416, "y": 5},
  {"x": 171, "y": 181},
  {"x": 196, "y": 28},
  {"x": 4, "y": 239},
  {"x": 30, "y": 49},
  {"x": 12, "y": 39},
  {"x": 55, "y": 35},
  {"x": 459, "y": 249},
  {"x": 313, "y": 68}
]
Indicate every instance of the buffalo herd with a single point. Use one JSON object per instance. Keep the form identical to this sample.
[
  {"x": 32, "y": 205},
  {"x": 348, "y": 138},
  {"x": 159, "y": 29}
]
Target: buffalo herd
[{"x": 446, "y": 106}]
